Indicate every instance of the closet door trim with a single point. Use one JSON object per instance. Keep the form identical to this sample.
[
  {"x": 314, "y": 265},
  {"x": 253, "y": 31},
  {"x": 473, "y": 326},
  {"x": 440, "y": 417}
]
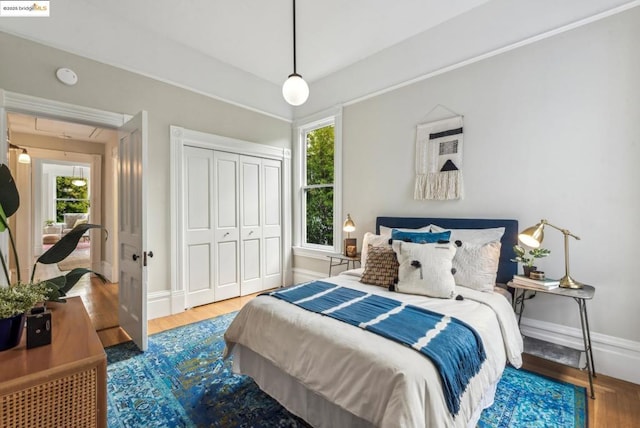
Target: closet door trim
[{"x": 175, "y": 302}]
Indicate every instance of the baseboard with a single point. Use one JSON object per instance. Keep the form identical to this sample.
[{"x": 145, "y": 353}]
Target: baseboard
[
  {"x": 177, "y": 302},
  {"x": 107, "y": 270},
  {"x": 304, "y": 275},
  {"x": 158, "y": 304},
  {"x": 612, "y": 356}
]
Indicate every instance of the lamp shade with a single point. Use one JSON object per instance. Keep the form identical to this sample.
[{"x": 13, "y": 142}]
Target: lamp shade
[
  {"x": 295, "y": 90},
  {"x": 532, "y": 236},
  {"x": 349, "y": 225},
  {"x": 24, "y": 157},
  {"x": 79, "y": 181}
]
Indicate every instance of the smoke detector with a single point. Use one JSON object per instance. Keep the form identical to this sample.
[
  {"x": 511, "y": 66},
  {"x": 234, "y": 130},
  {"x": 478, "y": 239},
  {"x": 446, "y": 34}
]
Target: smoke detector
[{"x": 67, "y": 76}]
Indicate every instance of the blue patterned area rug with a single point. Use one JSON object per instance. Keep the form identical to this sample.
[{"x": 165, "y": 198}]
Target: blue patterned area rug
[{"x": 182, "y": 381}]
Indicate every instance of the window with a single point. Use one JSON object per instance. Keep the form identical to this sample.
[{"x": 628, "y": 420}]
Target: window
[
  {"x": 70, "y": 197},
  {"x": 317, "y": 180},
  {"x": 318, "y": 186}
]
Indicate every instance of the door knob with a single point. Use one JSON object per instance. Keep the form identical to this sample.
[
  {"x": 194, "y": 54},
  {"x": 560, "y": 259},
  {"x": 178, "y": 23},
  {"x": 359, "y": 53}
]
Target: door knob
[{"x": 135, "y": 257}]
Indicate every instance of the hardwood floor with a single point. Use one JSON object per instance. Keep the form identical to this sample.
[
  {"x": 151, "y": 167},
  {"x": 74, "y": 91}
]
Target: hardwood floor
[
  {"x": 617, "y": 403},
  {"x": 100, "y": 300}
]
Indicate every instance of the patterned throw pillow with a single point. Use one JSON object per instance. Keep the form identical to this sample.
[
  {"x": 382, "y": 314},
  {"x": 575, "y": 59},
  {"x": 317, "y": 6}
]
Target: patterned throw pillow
[
  {"x": 381, "y": 267},
  {"x": 476, "y": 265},
  {"x": 372, "y": 240},
  {"x": 425, "y": 269}
]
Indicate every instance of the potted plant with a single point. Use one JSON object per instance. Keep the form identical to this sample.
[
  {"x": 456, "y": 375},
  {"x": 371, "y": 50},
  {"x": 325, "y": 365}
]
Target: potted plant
[
  {"x": 15, "y": 301},
  {"x": 527, "y": 262},
  {"x": 18, "y": 298}
]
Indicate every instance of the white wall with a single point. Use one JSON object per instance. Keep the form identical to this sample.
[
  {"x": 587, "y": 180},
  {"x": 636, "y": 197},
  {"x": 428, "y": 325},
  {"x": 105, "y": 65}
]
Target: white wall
[
  {"x": 551, "y": 131},
  {"x": 29, "y": 68}
]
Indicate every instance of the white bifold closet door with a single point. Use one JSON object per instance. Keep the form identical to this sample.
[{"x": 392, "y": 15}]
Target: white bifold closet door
[
  {"x": 272, "y": 224},
  {"x": 227, "y": 225},
  {"x": 261, "y": 230},
  {"x": 251, "y": 200},
  {"x": 199, "y": 226},
  {"x": 233, "y": 233}
]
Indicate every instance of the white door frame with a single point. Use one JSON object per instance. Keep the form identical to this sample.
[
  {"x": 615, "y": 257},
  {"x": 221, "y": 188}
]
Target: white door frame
[
  {"x": 95, "y": 163},
  {"x": 181, "y": 137},
  {"x": 27, "y": 104}
]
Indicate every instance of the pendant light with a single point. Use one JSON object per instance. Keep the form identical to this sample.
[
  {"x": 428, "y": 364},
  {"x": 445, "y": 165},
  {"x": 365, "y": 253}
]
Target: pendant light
[
  {"x": 78, "y": 181},
  {"x": 295, "y": 90}
]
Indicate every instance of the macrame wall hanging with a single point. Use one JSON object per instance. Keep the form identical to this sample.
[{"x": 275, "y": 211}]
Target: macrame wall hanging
[{"x": 439, "y": 160}]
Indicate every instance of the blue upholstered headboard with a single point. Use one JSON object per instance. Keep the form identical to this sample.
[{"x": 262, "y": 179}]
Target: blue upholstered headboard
[{"x": 506, "y": 268}]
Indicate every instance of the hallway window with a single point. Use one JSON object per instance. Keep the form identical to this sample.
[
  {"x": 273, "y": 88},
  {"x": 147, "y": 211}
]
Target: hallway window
[{"x": 70, "y": 197}]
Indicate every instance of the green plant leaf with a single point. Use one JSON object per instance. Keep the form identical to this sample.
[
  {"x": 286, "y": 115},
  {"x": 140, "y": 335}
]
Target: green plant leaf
[
  {"x": 62, "y": 284},
  {"x": 65, "y": 246},
  {"x": 9, "y": 196}
]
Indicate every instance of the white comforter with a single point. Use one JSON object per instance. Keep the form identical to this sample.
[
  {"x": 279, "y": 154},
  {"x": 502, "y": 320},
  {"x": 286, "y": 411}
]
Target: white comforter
[{"x": 374, "y": 378}]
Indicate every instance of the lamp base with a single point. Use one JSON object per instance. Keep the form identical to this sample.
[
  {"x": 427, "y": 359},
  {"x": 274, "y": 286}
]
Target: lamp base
[
  {"x": 350, "y": 247},
  {"x": 568, "y": 282}
]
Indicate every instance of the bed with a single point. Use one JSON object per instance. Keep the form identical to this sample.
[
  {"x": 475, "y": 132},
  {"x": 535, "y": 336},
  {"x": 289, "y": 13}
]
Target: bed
[{"x": 333, "y": 374}]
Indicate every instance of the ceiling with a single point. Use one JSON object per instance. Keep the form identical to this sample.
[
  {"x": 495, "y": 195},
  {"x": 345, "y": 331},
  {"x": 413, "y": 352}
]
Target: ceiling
[
  {"x": 54, "y": 128},
  {"x": 241, "y": 50},
  {"x": 256, "y": 35}
]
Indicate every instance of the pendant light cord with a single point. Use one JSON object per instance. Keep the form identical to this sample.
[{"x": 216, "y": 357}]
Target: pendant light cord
[{"x": 294, "y": 37}]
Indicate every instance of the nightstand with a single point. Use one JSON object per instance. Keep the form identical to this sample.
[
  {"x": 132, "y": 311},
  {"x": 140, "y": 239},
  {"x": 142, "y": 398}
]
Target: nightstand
[
  {"x": 580, "y": 295},
  {"x": 341, "y": 259}
]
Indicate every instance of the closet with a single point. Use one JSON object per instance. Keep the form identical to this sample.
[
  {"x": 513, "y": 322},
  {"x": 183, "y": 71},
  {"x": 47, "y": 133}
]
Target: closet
[{"x": 231, "y": 224}]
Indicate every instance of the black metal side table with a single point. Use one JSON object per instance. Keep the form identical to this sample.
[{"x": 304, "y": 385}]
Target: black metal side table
[
  {"x": 341, "y": 260},
  {"x": 580, "y": 295}
]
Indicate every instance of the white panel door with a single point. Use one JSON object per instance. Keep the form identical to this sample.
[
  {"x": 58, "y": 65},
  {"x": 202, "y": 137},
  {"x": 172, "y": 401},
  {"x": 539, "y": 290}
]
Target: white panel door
[
  {"x": 132, "y": 307},
  {"x": 198, "y": 226},
  {"x": 250, "y": 225},
  {"x": 226, "y": 202},
  {"x": 272, "y": 225}
]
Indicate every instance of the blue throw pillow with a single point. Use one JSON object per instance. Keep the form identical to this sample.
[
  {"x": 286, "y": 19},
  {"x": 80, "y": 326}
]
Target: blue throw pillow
[{"x": 420, "y": 237}]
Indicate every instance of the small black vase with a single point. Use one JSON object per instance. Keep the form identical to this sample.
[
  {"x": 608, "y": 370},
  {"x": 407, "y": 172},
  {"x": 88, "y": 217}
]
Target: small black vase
[{"x": 528, "y": 270}]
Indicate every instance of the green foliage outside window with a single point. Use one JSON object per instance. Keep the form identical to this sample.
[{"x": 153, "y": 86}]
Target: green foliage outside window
[
  {"x": 70, "y": 198},
  {"x": 320, "y": 175}
]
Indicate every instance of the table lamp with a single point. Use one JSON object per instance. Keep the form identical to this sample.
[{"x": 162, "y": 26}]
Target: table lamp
[
  {"x": 350, "y": 244},
  {"x": 533, "y": 237}
]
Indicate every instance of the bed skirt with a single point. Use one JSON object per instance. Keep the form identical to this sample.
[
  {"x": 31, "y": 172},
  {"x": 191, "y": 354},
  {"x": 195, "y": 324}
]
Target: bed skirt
[{"x": 306, "y": 404}]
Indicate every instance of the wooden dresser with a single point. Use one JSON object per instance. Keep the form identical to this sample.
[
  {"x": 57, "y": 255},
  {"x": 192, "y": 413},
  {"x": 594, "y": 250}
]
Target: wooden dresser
[{"x": 63, "y": 384}]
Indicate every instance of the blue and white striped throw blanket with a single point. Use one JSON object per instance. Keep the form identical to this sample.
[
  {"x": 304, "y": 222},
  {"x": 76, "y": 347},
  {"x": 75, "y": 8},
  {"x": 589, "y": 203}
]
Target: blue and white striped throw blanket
[{"x": 453, "y": 346}]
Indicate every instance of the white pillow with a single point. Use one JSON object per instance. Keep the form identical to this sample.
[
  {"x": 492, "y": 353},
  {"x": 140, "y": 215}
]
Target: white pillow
[
  {"x": 473, "y": 236},
  {"x": 476, "y": 265},
  {"x": 386, "y": 231},
  {"x": 425, "y": 269},
  {"x": 373, "y": 240}
]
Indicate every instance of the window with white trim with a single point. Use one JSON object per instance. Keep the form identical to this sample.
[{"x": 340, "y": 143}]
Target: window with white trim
[{"x": 318, "y": 178}]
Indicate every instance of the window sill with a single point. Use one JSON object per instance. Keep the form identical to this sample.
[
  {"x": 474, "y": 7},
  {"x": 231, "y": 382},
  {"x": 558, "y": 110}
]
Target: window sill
[{"x": 312, "y": 253}]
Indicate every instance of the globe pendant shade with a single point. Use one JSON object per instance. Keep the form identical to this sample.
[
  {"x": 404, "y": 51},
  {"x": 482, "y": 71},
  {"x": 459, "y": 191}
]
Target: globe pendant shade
[{"x": 295, "y": 90}]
